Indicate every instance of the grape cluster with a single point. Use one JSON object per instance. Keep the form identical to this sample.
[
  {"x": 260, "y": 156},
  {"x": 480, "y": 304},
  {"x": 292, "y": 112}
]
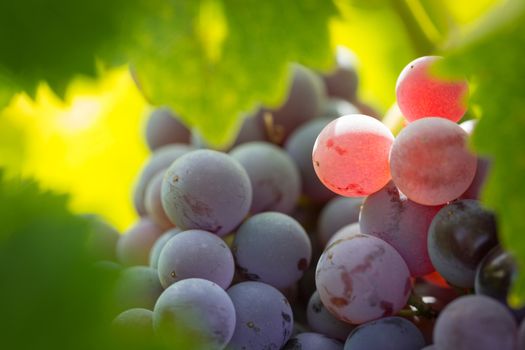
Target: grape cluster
[{"x": 318, "y": 228}]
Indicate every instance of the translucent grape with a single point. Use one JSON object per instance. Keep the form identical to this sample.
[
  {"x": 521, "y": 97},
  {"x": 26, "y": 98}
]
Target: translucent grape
[
  {"x": 336, "y": 214},
  {"x": 389, "y": 215},
  {"x": 198, "y": 305},
  {"x": 459, "y": 236},
  {"x": 322, "y": 321},
  {"x": 362, "y": 278},
  {"x": 196, "y": 254},
  {"x": 206, "y": 190},
  {"x": 312, "y": 341},
  {"x": 430, "y": 161},
  {"x": 275, "y": 179},
  {"x": 299, "y": 146},
  {"x": 392, "y": 333},
  {"x": 159, "y": 160},
  {"x": 264, "y": 317},
  {"x": 134, "y": 246},
  {"x": 350, "y": 155},
  {"x": 420, "y": 93},
  {"x": 272, "y": 248},
  {"x": 163, "y": 128},
  {"x": 153, "y": 202},
  {"x": 475, "y": 322},
  {"x": 159, "y": 244},
  {"x": 137, "y": 287}
]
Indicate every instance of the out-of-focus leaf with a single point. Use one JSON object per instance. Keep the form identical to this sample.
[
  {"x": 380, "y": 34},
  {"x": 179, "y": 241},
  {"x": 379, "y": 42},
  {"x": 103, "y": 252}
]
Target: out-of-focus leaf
[
  {"x": 493, "y": 56},
  {"x": 89, "y": 145},
  {"x": 54, "y": 40},
  {"x": 212, "y": 60}
]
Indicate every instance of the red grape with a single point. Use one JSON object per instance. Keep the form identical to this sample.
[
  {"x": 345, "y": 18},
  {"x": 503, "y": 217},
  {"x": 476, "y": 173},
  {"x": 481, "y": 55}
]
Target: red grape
[{"x": 421, "y": 94}]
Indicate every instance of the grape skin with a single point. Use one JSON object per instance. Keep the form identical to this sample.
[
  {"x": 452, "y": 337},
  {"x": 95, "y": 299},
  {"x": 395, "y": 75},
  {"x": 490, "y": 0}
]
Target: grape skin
[
  {"x": 163, "y": 128},
  {"x": 153, "y": 202},
  {"x": 206, "y": 190},
  {"x": 336, "y": 214},
  {"x": 422, "y": 94},
  {"x": 460, "y": 235},
  {"x": 299, "y": 146},
  {"x": 275, "y": 179},
  {"x": 137, "y": 323},
  {"x": 322, "y": 321},
  {"x": 312, "y": 341},
  {"x": 159, "y": 244},
  {"x": 159, "y": 160},
  {"x": 350, "y": 155},
  {"x": 134, "y": 246},
  {"x": 343, "y": 81},
  {"x": 344, "y": 233},
  {"x": 430, "y": 161},
  {"x": 362, "y": 278},
  {"x": 264, "y": 317},
  {"x": 198, "y": 305},
  {"x": 475, "y": 322},
  {"x": 389, "y": 215},
  {"x": 196, "y": 254},
  {"x": 304, "y": 102},
  {"x": 392, "y": 333},
  {"x": 273, "y": 248}
]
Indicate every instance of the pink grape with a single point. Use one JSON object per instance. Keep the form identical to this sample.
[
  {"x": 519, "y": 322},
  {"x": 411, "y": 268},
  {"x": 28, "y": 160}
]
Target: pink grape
[
  {"x": 420, "y": 93},
  {"x": 430, "y": 161},
  {"x": 350, "y": 155}
]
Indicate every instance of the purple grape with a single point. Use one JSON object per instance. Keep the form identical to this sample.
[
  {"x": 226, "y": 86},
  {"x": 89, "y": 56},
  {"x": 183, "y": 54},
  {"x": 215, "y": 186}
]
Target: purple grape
[
  {"x": 299, "y": 146},
  {"x": 344, "y": 233},
  {"x": 494, "y": 277},
  {"x": 137, "y": 287},
  {"x": 362, "y": 278},
  {"x": 389, "y": 215},
  {"x": 336, "y": 214},
  {"x": 196, "y": 254},
  {"x": 335, "y": 107},
  {"x": 312, "y": 341},
  {"x": 343, "y": 81},
  {"x": 264, "y": 317},
  {"x": 198, "y": 305},
  {"x": 136, "y": 323},
  {"x": 521, "y": 336},
  {"x": 275, "y": 179},
  {"x": 153, "y": 202},
  {"x": 164, "y": 128},
  {"x": 389, "y": 333},
  {"x": 430, "y": 347},
  {"x": 322, "y": 321},
  {"x": 459, "y": 236},
  {"x": 134, "y": 246},
  {"x": 272, "y": 248},
  {"x": 251, "y": 131},
  {"x": 159, "y": 160},
  {"x": 159, "y": 244},
  {"x": 304, "y": 102},
  {"x": 206, "y": 190},
  {"x": 475, "y": 322}
]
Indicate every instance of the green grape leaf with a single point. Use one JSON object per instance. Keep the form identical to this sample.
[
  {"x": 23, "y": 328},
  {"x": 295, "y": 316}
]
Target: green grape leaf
[
  {"x": 213, "y": 60},
  {"x": 493, "y": 56},
  {"x": 54, "y": 40},
  {"x": 52, "y": 296}
]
